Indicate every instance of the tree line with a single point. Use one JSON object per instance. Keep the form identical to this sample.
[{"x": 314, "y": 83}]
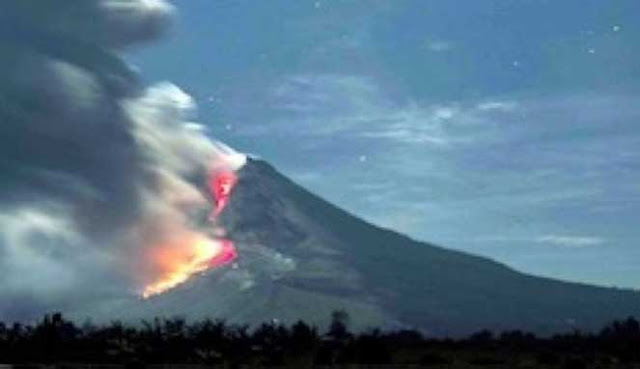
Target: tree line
[{"x": 55, "y": 340}]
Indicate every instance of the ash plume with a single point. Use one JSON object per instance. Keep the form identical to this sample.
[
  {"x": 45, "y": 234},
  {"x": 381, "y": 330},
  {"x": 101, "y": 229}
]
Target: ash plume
[{"x": 96, "y": 168}]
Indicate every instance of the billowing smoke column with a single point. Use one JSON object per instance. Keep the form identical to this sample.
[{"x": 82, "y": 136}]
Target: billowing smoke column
[{"x": 100, "y": 191}]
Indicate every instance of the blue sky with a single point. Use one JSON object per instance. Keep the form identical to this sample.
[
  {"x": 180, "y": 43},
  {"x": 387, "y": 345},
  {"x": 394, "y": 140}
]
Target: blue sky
[{"x": 504, "y": 128}]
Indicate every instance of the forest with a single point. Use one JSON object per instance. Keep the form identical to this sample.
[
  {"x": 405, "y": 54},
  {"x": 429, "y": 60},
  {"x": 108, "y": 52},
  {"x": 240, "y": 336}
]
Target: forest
[{"x": 214, "y": 343}]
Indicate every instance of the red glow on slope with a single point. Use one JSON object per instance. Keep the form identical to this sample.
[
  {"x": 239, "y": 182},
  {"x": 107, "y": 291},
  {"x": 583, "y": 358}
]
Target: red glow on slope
[
  {"x": 193, "y": 253},
  {"x": 226, "y": 255},
  {"x": 180, "y": 259},
  {"x": 220, "y": 185}
]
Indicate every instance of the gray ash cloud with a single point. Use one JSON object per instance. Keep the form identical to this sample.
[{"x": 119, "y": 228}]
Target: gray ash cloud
[{"x": 92, "y": 162}]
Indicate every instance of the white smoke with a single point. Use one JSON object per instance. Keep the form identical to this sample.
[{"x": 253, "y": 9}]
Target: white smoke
[{"x": 95, "y": 168}]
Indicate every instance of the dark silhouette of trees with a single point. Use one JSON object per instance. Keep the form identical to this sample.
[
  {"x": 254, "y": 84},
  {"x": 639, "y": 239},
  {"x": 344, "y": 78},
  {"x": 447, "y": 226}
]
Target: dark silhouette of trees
[
  {"x": 339, "y": 327},
  {"x": 622, "y": 339},
  {"x": 54, "y": 340}
]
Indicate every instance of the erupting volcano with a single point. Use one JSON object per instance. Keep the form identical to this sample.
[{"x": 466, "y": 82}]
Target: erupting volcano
[
  {"x": 191, "y": 253},
  {"x": 303, "y": 257}
]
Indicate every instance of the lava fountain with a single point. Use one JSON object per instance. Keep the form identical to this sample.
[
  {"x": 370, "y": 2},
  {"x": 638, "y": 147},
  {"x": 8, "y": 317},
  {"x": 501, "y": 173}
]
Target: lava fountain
[{"x": 188, "y": 253}]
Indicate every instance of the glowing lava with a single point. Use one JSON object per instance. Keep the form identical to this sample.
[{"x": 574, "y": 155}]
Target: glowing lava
[
  {"x": 220, "y": 185},
  {"x": 226, "y": 254},
  {"x": 179, "y": 262},
  {"x": 188, "y": 253}
]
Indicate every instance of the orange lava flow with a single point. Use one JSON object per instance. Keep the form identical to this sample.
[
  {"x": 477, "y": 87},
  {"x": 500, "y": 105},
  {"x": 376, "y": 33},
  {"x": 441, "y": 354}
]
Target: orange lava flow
[
  {"x": 179, "y": 262},
  {"x": 190, "y": 253}
]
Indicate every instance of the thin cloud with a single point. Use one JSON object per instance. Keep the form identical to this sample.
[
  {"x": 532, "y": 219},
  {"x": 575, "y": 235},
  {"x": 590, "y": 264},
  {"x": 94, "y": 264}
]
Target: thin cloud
[
  {"x": 504, "y": 106},
  {"x": 320, "y": 105},
  {"x": 571, "y": 241},
  {"x": 440, "y": 45}
]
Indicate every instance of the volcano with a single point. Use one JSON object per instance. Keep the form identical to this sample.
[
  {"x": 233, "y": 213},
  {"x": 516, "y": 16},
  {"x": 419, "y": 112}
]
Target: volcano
[{"x": 300, "y": 257}]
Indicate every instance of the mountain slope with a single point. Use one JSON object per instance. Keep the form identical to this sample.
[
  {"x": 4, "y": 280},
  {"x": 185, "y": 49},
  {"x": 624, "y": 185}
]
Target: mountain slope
[{"x": 301, "y": 257}]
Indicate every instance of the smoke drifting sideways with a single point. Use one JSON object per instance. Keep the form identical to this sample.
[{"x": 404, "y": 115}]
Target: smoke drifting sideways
[{"x": 97, "y": 171}]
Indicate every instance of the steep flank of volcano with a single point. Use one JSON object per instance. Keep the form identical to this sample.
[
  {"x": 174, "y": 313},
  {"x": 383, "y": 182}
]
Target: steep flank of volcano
[{"x": 301, "y": 257}]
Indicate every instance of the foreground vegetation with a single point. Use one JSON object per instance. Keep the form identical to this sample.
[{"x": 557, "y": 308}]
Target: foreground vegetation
[{"x": 57, "y": 341}]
